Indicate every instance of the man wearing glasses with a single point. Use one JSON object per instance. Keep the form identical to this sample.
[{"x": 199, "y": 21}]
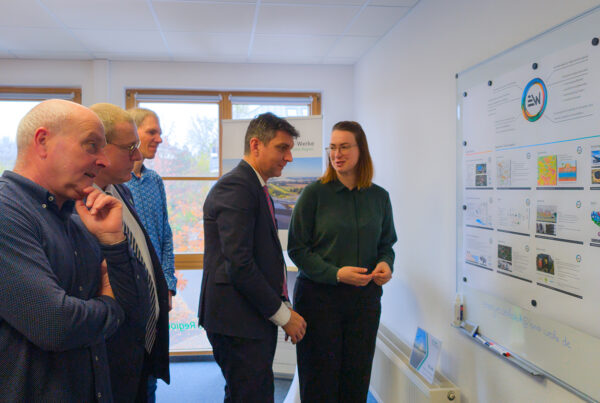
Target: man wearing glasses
[{"x": 137, "y": 350}]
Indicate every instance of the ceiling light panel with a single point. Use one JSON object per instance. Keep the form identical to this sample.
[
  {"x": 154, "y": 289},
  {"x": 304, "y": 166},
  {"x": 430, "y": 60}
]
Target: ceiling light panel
[
  {"x": 304, "y": 20},
  {"x": 38, "y": 39},
  {"x": 198, "y": 17},
  {"x": 102, "y": 14},
  {"x": 377, "y": 21}
]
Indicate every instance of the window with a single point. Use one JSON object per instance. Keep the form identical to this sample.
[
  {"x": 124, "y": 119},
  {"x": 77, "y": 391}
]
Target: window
[
  {"x": 189, "y": 159},
  {"x": 15, "y": 102}
]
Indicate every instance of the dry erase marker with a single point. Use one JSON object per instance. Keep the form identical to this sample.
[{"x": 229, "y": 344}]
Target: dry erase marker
[
  {"x": 481, "y": 339},
  {"x": 497, "y": 349}
]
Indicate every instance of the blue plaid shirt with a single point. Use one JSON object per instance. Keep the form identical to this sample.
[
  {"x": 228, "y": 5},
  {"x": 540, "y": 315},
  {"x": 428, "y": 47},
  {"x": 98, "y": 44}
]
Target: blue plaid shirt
[
  {"x": 150, "y": 203},
  {"x": 52, "y": 323}
]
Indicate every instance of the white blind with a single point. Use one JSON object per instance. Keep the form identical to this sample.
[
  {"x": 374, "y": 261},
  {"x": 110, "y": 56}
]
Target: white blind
[
  {"x": 33, "y": 96},
  {"x": 180, "y": 98},
  {"x": 256, "y": 100}
]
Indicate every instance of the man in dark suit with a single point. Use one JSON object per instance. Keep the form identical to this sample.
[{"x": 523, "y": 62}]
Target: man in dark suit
[
  {"x": 137, "y": 349},
  {"x": 244, "y": 294}
]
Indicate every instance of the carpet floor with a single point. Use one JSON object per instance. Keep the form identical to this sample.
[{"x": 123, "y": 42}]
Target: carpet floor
[{"x": 201, "y": 381}]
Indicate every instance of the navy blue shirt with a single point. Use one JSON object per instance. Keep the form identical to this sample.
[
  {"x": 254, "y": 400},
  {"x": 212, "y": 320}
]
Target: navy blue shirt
[{"x": 52, "y": 324}]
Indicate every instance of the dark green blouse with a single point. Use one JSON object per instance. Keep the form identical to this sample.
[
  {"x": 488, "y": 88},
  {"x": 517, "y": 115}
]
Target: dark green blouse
[{"x": 333, "y": 226}]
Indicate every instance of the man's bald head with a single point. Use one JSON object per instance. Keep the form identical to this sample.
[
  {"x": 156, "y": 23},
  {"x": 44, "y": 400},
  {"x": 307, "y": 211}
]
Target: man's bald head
[
  {"x": 60, "y": 146},
  {"x": 51, "y": 114}
]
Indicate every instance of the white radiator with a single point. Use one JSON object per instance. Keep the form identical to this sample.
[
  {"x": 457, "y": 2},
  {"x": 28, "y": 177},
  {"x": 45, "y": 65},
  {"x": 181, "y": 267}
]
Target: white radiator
[{"x": 393, "y": 380}]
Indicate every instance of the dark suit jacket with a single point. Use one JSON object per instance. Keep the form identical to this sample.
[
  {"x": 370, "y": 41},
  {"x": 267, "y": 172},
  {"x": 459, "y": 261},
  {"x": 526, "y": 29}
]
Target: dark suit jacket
[
  {"x": 126, "y": 347},
  {"x": 243, "y": 262}
]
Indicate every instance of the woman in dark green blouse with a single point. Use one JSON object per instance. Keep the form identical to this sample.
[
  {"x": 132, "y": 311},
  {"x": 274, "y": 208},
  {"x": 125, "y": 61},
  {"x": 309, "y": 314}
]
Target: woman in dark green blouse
[{"x": 341, "y": 237}]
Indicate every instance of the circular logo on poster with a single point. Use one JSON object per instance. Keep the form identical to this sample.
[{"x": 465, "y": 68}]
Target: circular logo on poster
[{"x": 533, "y": 102}]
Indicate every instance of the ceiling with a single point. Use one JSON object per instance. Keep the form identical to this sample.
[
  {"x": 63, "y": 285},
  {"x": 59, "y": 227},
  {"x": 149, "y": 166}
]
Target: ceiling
[{"x": 243, "y": 31}]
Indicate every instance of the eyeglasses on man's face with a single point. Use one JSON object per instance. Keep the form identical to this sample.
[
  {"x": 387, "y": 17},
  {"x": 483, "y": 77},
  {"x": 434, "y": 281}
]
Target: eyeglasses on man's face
[
  {"x": 129, "y": 148},
  {"x": 343, "y": 148}
]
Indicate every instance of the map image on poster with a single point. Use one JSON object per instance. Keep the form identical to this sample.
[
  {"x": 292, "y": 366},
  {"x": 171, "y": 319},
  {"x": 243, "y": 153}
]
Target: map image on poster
[
  {"x": 284, "y": 190},
  {"x": 547, "y": 170}
]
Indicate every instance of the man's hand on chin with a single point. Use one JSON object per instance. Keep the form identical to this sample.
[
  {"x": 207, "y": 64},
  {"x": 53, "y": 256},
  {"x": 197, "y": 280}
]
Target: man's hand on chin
[{"x": 102, "y": 215}]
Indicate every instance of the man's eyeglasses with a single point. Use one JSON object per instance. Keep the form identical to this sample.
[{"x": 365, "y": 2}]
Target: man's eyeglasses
[
  {"x": 131, "y": 148},
  {"x": 343, "y": 149}
]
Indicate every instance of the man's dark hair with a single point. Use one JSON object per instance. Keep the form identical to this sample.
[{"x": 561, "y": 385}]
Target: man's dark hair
[{"x": 265, "y": 127}]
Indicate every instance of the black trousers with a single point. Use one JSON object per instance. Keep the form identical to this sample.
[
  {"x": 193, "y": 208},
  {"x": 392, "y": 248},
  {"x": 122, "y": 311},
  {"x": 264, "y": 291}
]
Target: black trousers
[
  {"x": 247, "y": 365},
  {"x": 142, "y": 394},
  {"x": 336, "y": 354}
]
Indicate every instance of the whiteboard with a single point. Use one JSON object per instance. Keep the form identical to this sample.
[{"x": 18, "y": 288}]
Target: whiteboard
[{"x": 528, "y": 199}]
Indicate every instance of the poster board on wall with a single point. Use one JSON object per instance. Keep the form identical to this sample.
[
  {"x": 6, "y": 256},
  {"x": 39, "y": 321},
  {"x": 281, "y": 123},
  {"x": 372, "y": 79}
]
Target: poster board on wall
[
  {"x": 186, "y": 336},
  {"x": 528, "y": 199}
]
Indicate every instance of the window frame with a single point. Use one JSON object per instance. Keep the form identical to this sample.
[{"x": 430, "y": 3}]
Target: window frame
[
  {"x": 38, "y": 93},
  {"x": 194, "y": 261}
]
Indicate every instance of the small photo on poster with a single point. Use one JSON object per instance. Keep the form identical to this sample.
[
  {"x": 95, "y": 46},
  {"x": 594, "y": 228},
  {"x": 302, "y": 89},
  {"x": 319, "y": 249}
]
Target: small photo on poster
[
  {"x": 481, "y": 175},
  {"x": 546, "y": 220},
  {"x": 594, "y": 223},
  {"x": 481, "y": 180},
  {"x": 547, "y": 170},
  {"x": 595, "y": 175},
  {"x": 544, "y": 263},
  {"x": 596, "y": 217},
  {"x": 505, "y": 257},
  {"x": 595, "y": 164},
  {"x": 546, "y": 214},
  {"x": 595, "y": 156},
  {"x": 567, "y": 171},
  {"x": 545, "y": 228}
]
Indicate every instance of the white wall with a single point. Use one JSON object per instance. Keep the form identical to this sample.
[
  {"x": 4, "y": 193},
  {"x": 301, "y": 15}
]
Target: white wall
[
  {"x": 405, "y": 96},
  {"x": 106, "y": 81}
]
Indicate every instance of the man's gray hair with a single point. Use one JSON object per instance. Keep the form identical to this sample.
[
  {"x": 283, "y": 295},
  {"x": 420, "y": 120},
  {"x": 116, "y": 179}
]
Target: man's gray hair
[
  {"x": 265, "y": 127},
  {"x": 139, "y": 114}
]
